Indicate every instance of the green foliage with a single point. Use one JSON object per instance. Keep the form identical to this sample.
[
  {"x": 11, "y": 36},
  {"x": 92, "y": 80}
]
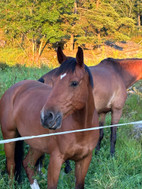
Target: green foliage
[
  {"x": 54, "y": 21},
  {"x": 104, "y": 22},
  {"x": 126, "y": 8},
  {"x": 33, "y": 18}
]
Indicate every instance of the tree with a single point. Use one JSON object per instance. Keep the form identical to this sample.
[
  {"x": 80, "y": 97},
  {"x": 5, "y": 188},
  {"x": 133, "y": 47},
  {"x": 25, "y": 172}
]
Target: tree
[
  {"x": 36, "y": 20},
  {"x": 100, "y": 21},
  {"x": 45, "y": 22},
  {"x": 138, "y": 12}
]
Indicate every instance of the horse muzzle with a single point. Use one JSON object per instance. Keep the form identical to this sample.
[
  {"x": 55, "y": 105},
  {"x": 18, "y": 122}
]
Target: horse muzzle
[{"x": 50, "y": 119}]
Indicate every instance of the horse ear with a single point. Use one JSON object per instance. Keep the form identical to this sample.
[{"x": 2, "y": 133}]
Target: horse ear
[
  {"x": 60, "y": 55},
  {"x": 80, "y": 57}
]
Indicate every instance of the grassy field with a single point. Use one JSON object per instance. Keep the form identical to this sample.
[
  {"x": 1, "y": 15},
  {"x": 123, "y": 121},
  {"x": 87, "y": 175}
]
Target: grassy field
[{"x": 124, "y": 171}]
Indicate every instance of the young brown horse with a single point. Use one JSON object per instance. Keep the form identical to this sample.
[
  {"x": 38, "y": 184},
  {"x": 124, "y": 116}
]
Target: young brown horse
[
  {"x": 32, "y": 108},
  {"x": 111, "y": 79}
]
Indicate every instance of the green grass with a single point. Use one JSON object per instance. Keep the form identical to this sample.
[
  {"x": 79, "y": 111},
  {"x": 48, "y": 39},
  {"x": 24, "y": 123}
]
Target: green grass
[
  {"x": 14, "y": 74},
  {"x": 122, "y": 172}
]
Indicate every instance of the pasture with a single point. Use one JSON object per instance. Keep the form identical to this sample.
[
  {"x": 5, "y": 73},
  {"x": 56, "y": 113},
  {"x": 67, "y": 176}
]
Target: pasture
[{"x": 123, "y": 171}]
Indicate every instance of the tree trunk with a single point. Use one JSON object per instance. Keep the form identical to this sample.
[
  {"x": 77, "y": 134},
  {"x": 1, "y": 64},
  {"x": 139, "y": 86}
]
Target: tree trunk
[
  {"x": 71, "y": 42},
  {"x": 43, "y": 48},
  {"x": 99, "y": 38},
  {"x": 72, "y": 35},
  {"x": 75, "y": 7},
  {"x": 139, "y": 20},
  {"x": 33, "y": 43},
  {"x": 99, "y": 35},
  {"x": 97, "y": 4}
]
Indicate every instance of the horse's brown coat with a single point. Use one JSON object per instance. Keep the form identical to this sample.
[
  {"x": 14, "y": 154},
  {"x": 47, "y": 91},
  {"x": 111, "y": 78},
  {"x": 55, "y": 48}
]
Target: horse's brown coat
[
  {"x": 111, "y": 79},
  {"x": 25, "y": 105}
]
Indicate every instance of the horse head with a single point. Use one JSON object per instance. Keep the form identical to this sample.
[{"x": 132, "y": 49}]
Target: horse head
[{"x": 69, "y": 92}]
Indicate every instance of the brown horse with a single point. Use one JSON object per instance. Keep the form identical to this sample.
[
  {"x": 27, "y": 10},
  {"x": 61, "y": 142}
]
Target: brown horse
[
  {"x": 111, "y": 79},
  {"x": 32, "y": 108}
]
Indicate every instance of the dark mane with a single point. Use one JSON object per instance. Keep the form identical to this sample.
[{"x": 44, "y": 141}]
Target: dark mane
[
  {"x": 109, "y": 61},
  {"x": 90, "y": 76},
  {"x": 114, "y": 63},
  {"x": 69, "y": 66}
]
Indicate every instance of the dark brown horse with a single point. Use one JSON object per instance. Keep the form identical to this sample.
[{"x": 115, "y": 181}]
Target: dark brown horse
[
  {"x": 32, "y": 108},
  {"x": 111, "y": 79}
]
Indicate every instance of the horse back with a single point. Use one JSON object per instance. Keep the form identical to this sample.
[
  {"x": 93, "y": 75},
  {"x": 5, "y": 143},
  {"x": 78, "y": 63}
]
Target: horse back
[{"x": 15, "y": 98}]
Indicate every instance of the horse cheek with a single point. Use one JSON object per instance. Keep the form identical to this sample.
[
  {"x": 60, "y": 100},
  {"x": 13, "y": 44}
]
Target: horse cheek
[{"x": 80, "y": 101}]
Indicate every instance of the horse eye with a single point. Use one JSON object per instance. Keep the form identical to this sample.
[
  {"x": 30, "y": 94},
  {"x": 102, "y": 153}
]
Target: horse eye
[{"x": 74, "y": 83}]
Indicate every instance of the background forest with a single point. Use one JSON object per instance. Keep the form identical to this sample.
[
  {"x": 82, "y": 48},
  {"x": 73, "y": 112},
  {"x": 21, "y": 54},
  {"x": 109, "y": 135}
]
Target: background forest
[
  {"x": 32, "y": 26},
  {"x": 31, "y": 30}
]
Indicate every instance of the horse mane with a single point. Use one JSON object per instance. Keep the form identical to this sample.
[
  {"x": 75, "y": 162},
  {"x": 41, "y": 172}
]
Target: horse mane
[
  {"x": 119, "y": 64},
  {"x": 109, "y": 61},
  {"x": 114, "y": 63},
  {"x": 90, "y": 76},
  {"x": 69, "y": 66}
]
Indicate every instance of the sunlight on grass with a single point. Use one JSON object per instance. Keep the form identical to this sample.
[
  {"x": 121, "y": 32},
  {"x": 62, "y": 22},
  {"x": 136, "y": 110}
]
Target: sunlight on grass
[{"x": 13, "y": 56}]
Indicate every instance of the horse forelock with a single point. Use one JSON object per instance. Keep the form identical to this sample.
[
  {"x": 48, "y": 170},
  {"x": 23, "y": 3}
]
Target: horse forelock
[{"x": 69, "y": 66}]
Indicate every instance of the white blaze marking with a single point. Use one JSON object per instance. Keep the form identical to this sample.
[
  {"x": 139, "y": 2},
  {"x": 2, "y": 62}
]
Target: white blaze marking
[
  {"x": 34, "y": 185},
  {"x": 42, "y": 113},
  {"x": 63, "y": 75}
]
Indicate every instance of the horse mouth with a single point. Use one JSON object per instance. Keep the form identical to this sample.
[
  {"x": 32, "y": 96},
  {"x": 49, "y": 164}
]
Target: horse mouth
[
  {"x": 56, "y": 124},
  {"x": 52, "y": 124}
]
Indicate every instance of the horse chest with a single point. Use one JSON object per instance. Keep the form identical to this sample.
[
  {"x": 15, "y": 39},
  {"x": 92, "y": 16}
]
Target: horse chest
[
  {"x": 78, "y": 151},
  {"x": 82, "y": 151}
]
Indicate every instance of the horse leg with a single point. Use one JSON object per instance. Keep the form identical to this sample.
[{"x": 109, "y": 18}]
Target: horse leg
[
  {"x": 54, "y": 168},
  {"x": 10, "y": 161},
  {"x": 10, "y": 153},
  {"x": 29, "y": 164},
  {"x": 101, "y": 123},
  {"x": 115, "y": 117},
  {"x": 81, "y": 168}
]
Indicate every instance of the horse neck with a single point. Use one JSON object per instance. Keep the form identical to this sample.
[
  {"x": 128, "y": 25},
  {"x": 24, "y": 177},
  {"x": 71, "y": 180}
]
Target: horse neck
[{"x": 130, "y": 71}]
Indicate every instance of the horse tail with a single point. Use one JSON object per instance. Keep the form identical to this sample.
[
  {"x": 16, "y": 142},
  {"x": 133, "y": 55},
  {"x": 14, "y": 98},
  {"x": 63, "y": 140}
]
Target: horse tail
[
  {"x": 67, "y": 168},
  {"x": 39, "y": 164},
  {"x": 19, "y": 153}
]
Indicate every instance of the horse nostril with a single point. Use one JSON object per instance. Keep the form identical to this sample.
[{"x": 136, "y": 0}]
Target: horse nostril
[{"x": 50, "y": 116}]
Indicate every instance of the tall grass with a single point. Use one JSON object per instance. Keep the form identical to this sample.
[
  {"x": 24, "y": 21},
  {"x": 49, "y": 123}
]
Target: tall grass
[{"x": 124, "y": 171}]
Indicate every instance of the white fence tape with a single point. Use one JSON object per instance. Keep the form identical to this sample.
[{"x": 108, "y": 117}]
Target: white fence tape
[{"x": 68, "y": 132}]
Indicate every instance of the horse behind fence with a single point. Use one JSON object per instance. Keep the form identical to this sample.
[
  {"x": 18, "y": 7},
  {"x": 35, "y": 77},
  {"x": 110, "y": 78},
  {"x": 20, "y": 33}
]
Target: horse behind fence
[{"x": 33, "y": 108}]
